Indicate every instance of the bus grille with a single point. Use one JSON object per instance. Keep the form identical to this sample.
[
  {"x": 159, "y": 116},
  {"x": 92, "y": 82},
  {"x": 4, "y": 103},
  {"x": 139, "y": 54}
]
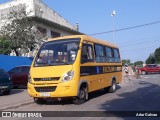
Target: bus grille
[
  {"x": 45, "y": 89},
  {"x": 47, "y": 79}
]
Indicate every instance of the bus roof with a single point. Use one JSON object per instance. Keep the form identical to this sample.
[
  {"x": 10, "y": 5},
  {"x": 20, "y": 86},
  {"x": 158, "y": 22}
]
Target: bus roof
[{"x": 88, "y": 38}]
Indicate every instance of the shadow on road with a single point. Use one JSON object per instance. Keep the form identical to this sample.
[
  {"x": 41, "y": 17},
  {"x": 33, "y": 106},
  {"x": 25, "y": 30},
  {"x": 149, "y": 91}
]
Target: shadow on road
[
  {"x": 145, "y": 98},
  {"x": 66, "y": 101},
  {"x": 99, "y": 93},
  {"x": 13, "y": 91},
  {"x": 16, "y": 91},
  {"x": 20, "y": 87}
]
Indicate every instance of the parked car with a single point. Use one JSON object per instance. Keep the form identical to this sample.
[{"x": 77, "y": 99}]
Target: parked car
[
  {"x": 19, "y": 75},
  {"x": 150, "y": 68},
  {"x": 5, "y": 82}
]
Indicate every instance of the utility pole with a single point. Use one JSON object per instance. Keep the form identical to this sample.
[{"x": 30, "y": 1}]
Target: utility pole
[{"x": 113, "y": 14}]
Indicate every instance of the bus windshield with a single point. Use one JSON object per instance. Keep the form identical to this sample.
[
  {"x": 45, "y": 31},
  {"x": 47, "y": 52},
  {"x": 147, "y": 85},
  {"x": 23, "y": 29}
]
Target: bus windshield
[{"x": 61, "y": 52}]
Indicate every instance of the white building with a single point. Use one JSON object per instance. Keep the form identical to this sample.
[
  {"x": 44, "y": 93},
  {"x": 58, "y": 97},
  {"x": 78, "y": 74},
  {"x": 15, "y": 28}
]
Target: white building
[{"x": 53, "y": 24}]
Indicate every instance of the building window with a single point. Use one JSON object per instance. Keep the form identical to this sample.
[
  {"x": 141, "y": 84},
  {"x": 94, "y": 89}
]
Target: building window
[
  {"x": 55, "y": 34},
  {"x": 42, "y": 31}
]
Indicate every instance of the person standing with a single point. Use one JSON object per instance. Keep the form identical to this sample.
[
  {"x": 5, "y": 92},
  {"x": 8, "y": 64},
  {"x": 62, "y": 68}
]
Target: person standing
[
  {"x": 126, "y": 70},
  {"x": 137, "y": 72}
]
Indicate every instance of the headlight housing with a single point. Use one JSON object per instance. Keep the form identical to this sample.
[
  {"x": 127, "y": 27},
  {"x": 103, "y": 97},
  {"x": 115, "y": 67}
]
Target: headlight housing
[
  {"x": 68, "y": 76},
  {"x": 29, "y": 79}
]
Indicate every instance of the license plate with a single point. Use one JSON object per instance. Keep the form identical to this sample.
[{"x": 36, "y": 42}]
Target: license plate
[{"x": 45, "y": 94}]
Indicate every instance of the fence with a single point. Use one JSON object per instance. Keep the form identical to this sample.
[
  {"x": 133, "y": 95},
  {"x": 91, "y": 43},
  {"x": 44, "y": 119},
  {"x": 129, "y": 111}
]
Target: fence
[{"x": 9, "y": 62}]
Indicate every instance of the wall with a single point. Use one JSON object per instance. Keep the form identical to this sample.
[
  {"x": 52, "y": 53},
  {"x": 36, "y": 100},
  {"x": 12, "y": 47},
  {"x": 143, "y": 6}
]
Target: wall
[
  {"x": 52, "y": 28},
  {"x": 42, "y": 10},
  {"x": 38, "y": 9},
  {"x": 9, "y": 62}
]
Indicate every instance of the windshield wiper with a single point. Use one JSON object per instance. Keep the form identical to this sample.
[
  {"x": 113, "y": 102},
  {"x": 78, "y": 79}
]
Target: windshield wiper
[
  {"x": 63, "y": 62},
  {"x": 58, "y": 62}
]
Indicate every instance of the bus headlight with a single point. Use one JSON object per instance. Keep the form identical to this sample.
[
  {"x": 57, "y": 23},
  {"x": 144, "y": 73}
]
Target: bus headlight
[
  {"x": 68, "y": 76},
  {"x": 29, "y": 79}
]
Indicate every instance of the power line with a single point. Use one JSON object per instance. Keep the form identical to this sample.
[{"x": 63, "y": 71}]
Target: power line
[
  {"x": 141, "y": 39},
  {"x": 142, "y": 48},
  {"x": 122, "y": 29},
  {"x": 139, "y": 43}
]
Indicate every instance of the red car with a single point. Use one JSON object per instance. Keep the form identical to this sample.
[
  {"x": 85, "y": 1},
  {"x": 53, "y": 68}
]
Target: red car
[
  {"x": 19, "y": 75},
  {"x": 150, "y": 68}
]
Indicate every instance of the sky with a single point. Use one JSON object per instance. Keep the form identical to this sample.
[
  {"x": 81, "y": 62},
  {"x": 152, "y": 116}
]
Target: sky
[{"x": 94, "y": 16}]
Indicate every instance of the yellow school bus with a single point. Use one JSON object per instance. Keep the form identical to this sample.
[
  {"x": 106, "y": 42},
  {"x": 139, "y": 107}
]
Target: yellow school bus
[{"x": 73, "y": 66}]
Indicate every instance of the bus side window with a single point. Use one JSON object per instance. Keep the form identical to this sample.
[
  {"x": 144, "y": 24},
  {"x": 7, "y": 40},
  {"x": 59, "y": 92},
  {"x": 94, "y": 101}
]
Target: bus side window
[
  {"x": 100, "y": 55},
  {"x": 109, "y": 54},
  {"x": 87, "y": 53},
  {"x": 116, "y": 55}
]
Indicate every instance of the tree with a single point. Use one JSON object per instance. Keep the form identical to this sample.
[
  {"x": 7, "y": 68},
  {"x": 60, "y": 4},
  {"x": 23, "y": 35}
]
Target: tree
[
  {"x": 150, "y": 59},
  {"x": 157, "y": 55},
  {"x": 138, "y": 63},
  {"x": 20, "y": 31},
  {"x": 125, "y": 61},
  {"x": 4, "y": 46},
  {"x": 154, "y": 57}
]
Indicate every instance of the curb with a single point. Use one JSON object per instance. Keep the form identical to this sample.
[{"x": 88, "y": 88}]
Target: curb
[{"x": 16, "y": 106}]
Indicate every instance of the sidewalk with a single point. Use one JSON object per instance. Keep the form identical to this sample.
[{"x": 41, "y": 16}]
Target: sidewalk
[{"x": 17, "y": 98}]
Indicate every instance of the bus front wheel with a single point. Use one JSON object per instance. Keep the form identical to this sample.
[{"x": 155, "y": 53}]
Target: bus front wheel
[{"x": 81, "y": 98}]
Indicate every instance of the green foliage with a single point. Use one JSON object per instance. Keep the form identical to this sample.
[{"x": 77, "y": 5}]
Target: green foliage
[
  {"x": 157, "y": 55},
  {"x": 125, "y": 61},
  {"x": 20, "y": 32},
  {"x": 154, "y": 58},
  {"x": 150, "y": 59},
  {"x": 4, "y": 46},
  {"x": 138, "y": 63}
]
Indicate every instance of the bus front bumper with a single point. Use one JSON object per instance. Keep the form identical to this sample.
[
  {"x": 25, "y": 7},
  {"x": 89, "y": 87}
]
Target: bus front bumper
[{"x": 52, "y": 90}]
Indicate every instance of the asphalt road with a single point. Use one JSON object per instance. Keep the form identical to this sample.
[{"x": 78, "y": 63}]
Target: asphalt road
[{"x": 131, "y": 95}]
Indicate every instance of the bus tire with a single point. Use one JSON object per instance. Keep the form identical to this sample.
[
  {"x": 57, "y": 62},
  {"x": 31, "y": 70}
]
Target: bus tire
[
  {"x": 81, "y": 98},
  {"x": 112, "y": 88},
  {"x": 39, "y": 100}
]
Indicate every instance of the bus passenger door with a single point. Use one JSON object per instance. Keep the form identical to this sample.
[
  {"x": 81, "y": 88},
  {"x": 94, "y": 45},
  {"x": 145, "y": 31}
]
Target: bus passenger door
[{"x": 87, "y": 69}]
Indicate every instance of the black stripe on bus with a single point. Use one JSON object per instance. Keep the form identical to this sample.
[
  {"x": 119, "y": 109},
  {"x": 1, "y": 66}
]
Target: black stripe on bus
[{"x": 95, "y": 70}]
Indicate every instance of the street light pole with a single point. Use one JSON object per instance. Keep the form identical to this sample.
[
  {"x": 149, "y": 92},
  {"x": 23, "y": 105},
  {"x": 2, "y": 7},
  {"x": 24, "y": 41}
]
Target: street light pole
[{"x": 113, "y": 20}]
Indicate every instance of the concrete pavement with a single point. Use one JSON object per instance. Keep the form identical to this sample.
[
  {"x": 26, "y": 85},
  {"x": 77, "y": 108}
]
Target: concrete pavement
[{"x": 17, "y": 98}]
